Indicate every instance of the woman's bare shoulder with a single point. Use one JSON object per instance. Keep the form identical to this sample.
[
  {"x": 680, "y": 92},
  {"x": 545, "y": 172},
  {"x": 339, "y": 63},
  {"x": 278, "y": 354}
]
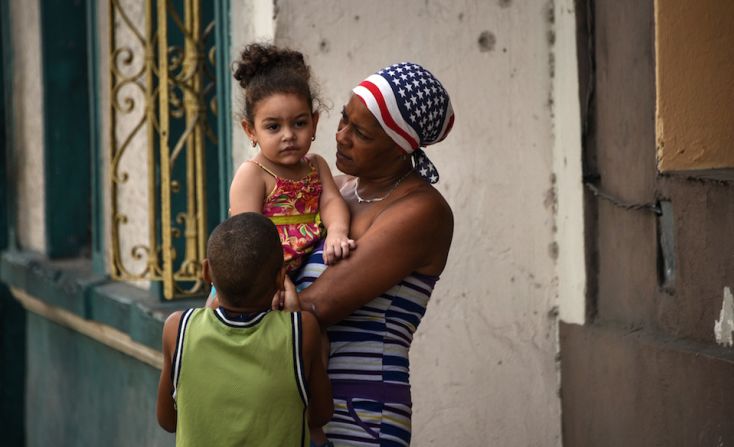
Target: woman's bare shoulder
[{"x": 424, "y": 201}]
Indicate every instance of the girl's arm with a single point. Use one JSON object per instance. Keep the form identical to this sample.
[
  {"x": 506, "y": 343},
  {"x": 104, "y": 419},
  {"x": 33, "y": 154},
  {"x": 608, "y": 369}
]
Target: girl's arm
[
  {"x": 334, "y": 214},
  {"x": 247, "y": 191},
  {"x": 165, "y": 409}
]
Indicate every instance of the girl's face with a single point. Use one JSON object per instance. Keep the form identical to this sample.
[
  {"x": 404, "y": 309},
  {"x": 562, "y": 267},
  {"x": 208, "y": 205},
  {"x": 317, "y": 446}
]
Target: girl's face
[
  {"x": 283, "y": 127},
  {"x": 362, "y": 147}
]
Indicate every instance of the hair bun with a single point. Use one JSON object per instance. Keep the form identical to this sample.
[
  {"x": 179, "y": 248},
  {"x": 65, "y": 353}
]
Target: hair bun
[{"x": 259, "y": 59}]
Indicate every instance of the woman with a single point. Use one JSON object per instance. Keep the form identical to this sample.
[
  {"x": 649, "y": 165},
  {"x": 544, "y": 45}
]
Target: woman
[{"x": 373, "y": 301}]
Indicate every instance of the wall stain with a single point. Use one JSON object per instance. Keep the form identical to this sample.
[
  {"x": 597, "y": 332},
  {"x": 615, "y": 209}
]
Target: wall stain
[
  {"x": 724, "y": 326},
  {"x": 553, "y": 250},
  {"x": 486, "y": 41},
  {"x": 505, "y": 3}
]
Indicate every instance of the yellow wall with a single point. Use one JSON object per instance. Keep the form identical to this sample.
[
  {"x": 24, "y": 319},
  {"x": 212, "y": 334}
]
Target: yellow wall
[{"x": 695, "y": 84}]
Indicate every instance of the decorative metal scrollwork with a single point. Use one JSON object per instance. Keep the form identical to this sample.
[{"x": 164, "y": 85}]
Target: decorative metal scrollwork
[{"x": 162, "y": 101}]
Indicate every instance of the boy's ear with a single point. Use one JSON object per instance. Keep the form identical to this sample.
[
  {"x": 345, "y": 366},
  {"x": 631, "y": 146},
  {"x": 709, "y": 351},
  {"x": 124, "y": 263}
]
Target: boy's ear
[
  {"x": 280, "y": 279},
  {"x": 206, "y": 272}
]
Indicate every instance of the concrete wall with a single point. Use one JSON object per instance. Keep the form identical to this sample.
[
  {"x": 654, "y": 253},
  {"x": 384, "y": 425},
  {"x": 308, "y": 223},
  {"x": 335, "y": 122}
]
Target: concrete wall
[
  {"x": 483, "y": 362},
  {"x": 695, "y": 89},
  {"x": 645, "y": 369}
]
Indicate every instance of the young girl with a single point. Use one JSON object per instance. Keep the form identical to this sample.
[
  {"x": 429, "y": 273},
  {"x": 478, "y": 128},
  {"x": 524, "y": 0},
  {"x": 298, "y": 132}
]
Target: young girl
[{"x": 283, "y": 181}]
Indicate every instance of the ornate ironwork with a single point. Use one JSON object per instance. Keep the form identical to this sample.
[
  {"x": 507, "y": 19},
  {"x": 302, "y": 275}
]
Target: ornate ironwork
[{"x": 168, "y": 62}]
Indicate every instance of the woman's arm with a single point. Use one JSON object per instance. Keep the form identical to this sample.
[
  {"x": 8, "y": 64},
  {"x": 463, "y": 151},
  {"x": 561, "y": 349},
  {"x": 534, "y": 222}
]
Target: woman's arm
[
  {"x": 247, "y": 191},
  {"x": 334, "y": 214},
  {"x": 165, "y": 409},
  {"x": 412, "y": 235}
]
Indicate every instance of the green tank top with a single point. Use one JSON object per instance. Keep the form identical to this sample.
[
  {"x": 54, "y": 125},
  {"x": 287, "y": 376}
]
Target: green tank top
[{"x": 239, "y": 382}]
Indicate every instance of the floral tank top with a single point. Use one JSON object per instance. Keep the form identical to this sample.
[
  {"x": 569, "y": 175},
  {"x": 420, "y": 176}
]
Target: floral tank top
[{"x": 293, "y": 206}]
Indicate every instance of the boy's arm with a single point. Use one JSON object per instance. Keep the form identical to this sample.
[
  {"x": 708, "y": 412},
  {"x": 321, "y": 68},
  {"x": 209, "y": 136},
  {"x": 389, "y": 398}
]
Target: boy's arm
[
  {"x": 321, "y": 403},
  {"x": 334, "y": 214},
  {"x": 247, "y": 191},
  {"x": 165, "y": 409}
]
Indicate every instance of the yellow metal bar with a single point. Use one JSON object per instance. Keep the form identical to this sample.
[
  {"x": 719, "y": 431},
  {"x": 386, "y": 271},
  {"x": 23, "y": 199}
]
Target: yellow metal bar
[
  {"x": 190, "y": 106},
  {"x": 201, "y": 137},
  {"x": 163, "y": 79},
  {"x": 150, "y": 103}
]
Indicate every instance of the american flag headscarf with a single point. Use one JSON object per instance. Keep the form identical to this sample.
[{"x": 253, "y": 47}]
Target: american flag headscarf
[{"x": 412, "y": 107}]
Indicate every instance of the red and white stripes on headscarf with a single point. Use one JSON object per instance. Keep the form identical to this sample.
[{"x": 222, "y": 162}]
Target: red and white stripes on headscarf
[{"x": 412, "y": 107}]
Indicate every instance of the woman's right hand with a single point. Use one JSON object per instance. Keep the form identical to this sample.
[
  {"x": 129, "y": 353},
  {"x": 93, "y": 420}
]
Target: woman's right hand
[{"x": 287, "y": 298}]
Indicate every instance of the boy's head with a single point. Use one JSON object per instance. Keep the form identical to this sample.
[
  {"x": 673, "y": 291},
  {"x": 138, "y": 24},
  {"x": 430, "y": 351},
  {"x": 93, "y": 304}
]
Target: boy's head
[{"x": 244, "y": 259}]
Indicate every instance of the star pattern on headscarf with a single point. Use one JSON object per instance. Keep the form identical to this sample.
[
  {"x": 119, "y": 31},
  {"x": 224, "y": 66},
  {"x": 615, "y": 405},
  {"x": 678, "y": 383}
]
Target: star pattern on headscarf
[
  {"x": 424, "y": 166},
  {"x": 421, "y": 98}
]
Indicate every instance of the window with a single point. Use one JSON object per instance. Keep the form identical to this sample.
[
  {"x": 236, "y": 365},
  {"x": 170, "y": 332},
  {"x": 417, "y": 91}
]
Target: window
[{"x": 166, "y": 161}]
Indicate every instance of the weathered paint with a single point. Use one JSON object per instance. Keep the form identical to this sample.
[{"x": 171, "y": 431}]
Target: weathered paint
[
  {"x": 484, "y": 359},
  {"x": 568, "y": 189},
  {"x": 84, "y": 393},
  {"x": 101, "y": 333},
  {"x": 695, "y": 89},
  {"x": 724, "y": 326},
  {"x": 29, "y": 123}
]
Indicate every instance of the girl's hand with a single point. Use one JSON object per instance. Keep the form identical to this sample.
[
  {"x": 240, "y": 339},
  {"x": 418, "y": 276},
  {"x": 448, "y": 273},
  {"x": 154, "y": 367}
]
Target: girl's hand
[{"x": 337, "y": 246}]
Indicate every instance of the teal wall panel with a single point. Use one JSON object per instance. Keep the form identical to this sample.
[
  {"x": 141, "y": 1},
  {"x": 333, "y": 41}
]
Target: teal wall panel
[
  {"x": 95, "y": 145},
  {"x": 66, "y": 127},
  {"x": 12, "y": 370},
  {"x": 83, "y": 393},
  {"x": 224, "y": 102}
]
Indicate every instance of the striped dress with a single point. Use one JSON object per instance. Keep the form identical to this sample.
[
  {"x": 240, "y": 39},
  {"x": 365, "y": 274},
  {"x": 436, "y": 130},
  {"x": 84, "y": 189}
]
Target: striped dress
[{"x": 368, "y": 362}]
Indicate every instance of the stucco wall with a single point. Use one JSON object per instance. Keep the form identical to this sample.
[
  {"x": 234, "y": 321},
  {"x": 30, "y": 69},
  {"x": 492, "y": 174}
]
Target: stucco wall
[
  {"x": 695, "y": 89},
  {"x": 27, "y": 115},
  {"x": 483, "y": 362},
  {"x": 252, "y": 20}
]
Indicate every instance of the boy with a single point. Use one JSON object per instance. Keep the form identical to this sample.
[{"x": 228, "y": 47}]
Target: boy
[{"x": 242, "y": 374}]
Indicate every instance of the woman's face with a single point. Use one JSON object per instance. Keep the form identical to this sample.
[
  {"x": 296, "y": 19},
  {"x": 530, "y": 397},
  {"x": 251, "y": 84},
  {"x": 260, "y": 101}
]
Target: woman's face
[{"x": 363, "y": 149}]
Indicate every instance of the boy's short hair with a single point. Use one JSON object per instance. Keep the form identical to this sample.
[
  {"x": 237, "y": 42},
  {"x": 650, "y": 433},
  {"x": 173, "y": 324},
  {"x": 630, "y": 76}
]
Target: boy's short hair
[{"x": 245, "y": 255}]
